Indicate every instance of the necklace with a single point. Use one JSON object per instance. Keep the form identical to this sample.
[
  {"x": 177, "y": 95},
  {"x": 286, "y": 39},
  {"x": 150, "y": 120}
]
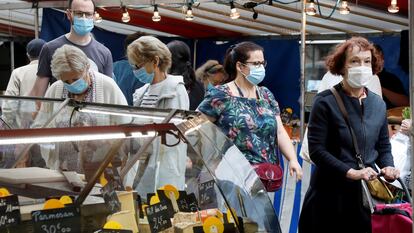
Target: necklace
[{"x": 240, "y": 91}]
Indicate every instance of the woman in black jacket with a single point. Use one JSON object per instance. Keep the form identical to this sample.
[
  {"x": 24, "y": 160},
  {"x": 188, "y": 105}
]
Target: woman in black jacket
[{"x": 333, "y": 202}]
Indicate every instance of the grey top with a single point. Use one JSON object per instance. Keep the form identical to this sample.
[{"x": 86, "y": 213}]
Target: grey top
[{"x": 98, "y": 54}]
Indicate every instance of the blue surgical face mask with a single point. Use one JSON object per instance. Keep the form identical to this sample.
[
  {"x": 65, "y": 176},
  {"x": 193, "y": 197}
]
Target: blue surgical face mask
[
  {"x": 142, "y": 75},
  {"x": 209, "y": 86},
  {"x": 77, "y": 87},
  {"x": 256, "y": 75},
  {"x": 82, "y": 26}
]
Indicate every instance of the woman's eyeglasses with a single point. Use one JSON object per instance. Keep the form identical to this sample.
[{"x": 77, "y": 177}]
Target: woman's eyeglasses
[{"x": 256, "y": 64}]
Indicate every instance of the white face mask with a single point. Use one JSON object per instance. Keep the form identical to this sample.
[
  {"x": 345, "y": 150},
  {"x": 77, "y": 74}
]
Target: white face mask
[{"x": 359, "y": 76}]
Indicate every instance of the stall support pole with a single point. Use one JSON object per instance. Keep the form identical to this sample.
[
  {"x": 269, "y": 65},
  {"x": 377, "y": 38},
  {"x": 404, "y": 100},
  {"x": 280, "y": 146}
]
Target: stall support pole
[
  {"x": 11, "y": 54},
  {"x": 36, "y": 22},
  {"x": 411, "y": 77},
  {"x": 195, "y": 54},
  {"x": 302, "y": 71}
]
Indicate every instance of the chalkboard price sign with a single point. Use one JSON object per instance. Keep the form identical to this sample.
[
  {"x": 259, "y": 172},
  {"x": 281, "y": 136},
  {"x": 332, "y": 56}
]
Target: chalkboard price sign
[
  {"x": 187, "y": 203},
  {"x": 9, "y": 211},
  {"x": 158, "y": 217},
  {"x": 207, "y": 194},
  {"x": 62, "y": 220}
]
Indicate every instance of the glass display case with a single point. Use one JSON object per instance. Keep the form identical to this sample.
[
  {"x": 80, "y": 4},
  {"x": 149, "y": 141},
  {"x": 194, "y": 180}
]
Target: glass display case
[{"x": 81, "y": 149}]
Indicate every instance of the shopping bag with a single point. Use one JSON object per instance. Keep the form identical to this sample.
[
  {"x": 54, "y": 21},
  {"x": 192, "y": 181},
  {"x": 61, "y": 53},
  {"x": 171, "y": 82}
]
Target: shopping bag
[{"x": 401, "y": 152}]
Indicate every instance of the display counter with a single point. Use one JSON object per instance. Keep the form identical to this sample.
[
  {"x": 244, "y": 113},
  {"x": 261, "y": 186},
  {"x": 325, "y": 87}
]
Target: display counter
[{"x": 149, "y": 170}]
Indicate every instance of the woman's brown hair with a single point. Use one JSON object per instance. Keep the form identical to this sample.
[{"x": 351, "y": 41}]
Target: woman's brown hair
[{"x": 335, "y": 62}]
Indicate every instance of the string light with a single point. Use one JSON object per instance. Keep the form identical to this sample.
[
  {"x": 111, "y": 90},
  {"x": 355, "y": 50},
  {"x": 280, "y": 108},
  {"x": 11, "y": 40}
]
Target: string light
[
  {"x": 310, "y": 8},
  {"x": 344, "y": 9},
  {"x": 393, "y": 8},
  {"x": 156, "y": 17},
  {"x": 233, "y": 11},
  {"x": 98, "y": 18},
  {"x": 189, "y": 15},
  {"x": 125, "y": 15}
]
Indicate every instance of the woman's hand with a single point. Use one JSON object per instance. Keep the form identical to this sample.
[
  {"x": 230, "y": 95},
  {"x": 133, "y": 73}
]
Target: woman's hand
[
  {"x": 390, "y": 173},
  {"x": 294, "y": 167},
  {"x": 406, "y": 126},
  {"x": 366, "y": 174}
]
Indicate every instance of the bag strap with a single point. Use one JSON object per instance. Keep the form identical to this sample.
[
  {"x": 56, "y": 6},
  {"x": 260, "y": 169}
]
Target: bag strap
[{"x": 346, "y": 117}]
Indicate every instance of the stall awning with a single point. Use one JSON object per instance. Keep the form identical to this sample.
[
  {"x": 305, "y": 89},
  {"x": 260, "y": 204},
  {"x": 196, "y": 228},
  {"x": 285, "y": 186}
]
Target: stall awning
[{"x": 212, "y": 17}]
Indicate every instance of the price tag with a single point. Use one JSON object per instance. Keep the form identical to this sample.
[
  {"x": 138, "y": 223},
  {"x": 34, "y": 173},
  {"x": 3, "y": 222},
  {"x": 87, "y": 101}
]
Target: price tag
[
  {"x": 62, "y": 220},
  {"x": 170, "y": 194},
  {"x": 207, "y": 195},
  {"x": 187, "y": 203},
  {"x": 110, "y": 198},
  {"x": 159, "y": 217},
  {"x": 9, "y": 211}
]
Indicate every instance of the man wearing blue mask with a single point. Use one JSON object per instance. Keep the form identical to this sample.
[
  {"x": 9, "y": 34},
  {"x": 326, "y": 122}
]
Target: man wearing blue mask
[{"x": 81, "y": 17}]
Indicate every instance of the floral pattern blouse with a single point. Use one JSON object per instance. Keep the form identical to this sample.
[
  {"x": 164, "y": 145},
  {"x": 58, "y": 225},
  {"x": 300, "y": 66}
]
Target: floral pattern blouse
[{"x": 250, "y": 123}]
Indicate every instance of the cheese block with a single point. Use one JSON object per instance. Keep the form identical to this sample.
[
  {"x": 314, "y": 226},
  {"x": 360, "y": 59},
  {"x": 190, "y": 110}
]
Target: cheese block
[
  {"x": 30, "y": 175},
  {"x": 126, "y": 218},
  {"x": 144, "y": 226},
  {"x": 181, "y": 217},
  {"x": 127, "y": 201},
  {"x": 185, "y": 227},
  {"x": 250, "y": 226}
]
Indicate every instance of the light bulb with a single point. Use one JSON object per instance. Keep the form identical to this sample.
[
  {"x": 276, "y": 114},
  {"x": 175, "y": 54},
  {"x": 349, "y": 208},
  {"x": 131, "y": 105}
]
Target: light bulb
[
  {"x": 393, "y": 8},
  {"x": 310, "y": 9},
  {"x": 344, "y": 9},
  {"x": 125, "y": 15},
  {"x": 233, "y": 11},
  {"x": 98, "y": 18},
  {"x": 189, "y": 15},
  {"x": 156, "y": 17}
]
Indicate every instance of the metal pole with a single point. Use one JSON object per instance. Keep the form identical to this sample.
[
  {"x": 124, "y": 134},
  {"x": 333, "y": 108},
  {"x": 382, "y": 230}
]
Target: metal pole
[
  {"x": 195, "y": 54},
  {"x": 12, "y": 55},
  {"x": 302, "y": 71},
  {"x": 36, "y": 22},
  {"x": 411, "y": 76}
]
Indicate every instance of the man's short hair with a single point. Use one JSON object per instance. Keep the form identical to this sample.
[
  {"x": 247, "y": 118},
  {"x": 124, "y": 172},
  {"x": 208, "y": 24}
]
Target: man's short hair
[
  {"x": 71, "y": 1},
  {"x": 34, "y": 47}
]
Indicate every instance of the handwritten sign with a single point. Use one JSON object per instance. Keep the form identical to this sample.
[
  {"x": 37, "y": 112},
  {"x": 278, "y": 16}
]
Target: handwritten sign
[
  {"x": 62, "y": 220},
  {"x": 110, "y": 198},
  {"x": 9, "y": 211},
  {"x": 187, "y": 203},
  {"x": 158, "y": 217},
  {"x": 207, "y": 195}
]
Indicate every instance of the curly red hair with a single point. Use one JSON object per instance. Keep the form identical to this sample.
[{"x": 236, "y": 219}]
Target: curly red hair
[{"x": 335, "y": 62}]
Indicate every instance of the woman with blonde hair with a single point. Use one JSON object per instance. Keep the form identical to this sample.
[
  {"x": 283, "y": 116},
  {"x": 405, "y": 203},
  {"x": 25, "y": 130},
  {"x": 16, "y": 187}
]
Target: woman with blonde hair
[
  {"x": 151, "y": 60},
  {"x": 77, "y": 80}
]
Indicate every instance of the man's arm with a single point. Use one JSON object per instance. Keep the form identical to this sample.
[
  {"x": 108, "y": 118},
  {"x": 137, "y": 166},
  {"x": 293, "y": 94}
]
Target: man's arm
[{"x": 39, "y": 87}]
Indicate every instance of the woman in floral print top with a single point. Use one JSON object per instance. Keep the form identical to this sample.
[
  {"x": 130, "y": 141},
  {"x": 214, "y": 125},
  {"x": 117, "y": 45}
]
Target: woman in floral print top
[{"x": 249, "y": 114}]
